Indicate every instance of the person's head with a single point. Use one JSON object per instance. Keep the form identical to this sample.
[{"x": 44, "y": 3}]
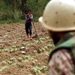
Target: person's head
[
  {"x": 28, "y": 12},
  {"x": 59, "y": 18}
]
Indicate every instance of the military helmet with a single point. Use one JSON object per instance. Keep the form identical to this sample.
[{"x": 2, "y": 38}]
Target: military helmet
[{"x": 59, "y": 15}]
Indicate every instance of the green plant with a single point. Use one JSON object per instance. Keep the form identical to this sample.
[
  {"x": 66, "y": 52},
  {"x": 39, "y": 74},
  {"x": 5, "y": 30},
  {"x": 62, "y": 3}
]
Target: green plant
[
  {"x": 10, "y": 62},
  {"x": 43, "y": 68},
  {"x": 24, "y": 44},
  {"x": 36, "y": 70},
  {"x": 4, "y": 62},
  {"x": 12, "y": 59},
  {"x": 20, "y": 59},
  {"x": 3, "y": 68},
  {"x": 16, "y": 15},
  {"x": 34, "y": 51},
  {"x": 0, "y": 50},
  {"x": 20, "y": 65},
  {"x": 6, "y": 50}
]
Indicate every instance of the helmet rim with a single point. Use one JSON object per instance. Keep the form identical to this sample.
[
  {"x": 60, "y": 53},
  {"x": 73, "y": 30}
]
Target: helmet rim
[{"x": 55, "y": 29}]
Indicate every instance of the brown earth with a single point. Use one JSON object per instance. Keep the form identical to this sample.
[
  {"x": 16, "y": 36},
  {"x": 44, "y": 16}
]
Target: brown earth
[{"x": 21, "y": 57}]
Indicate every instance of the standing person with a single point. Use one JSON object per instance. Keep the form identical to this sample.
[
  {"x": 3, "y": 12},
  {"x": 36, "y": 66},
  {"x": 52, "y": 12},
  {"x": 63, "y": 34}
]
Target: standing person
[
  {"x": 28, "y": 25},
  {"x": 59, "y": 19}
]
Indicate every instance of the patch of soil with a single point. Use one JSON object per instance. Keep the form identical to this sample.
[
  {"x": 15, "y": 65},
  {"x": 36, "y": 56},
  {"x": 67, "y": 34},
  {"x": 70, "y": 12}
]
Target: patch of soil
[{"x": 19, "y": 56}]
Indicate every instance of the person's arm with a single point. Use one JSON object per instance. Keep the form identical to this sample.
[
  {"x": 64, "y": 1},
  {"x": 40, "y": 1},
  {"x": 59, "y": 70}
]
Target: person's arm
[
  {"x": 27, "y": 17},
  {"x": 61, "y": 63},
  {"x": 31, "y": 16}
]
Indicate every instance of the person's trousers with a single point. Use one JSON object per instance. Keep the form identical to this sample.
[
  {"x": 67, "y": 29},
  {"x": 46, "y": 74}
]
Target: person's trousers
[{"x": 28, "y": 28}]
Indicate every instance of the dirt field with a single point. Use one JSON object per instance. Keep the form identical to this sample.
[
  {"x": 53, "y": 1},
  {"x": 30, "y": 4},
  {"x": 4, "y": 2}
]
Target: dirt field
[{"x": 21, "y": 57}]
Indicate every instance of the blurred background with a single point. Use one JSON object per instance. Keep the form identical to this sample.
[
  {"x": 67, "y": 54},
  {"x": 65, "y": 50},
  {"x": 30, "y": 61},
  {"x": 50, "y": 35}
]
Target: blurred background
[{"x": 14, "y": 10}]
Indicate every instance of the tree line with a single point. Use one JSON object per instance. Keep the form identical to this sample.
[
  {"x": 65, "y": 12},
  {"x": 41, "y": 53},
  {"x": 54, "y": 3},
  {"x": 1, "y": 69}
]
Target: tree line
[{"x": 16, "y": 9}]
